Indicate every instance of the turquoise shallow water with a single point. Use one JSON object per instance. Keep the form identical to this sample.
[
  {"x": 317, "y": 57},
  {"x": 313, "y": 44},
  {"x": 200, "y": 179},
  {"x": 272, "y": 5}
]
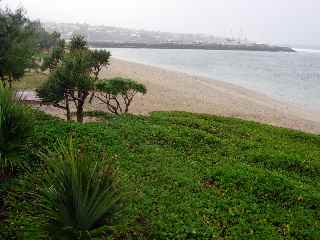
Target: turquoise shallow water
[{"x": 289, "y": 77}]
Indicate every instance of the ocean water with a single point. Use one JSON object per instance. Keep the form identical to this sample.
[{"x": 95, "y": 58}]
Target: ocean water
[{"x": 288, "y": 77}]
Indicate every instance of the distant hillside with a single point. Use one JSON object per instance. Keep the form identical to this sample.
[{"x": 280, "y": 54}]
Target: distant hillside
[{"x": 105, "y": 36}]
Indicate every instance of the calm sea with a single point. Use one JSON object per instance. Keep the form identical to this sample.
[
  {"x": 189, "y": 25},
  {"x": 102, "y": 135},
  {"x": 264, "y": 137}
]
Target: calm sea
[{"x": 289, "y": 77}]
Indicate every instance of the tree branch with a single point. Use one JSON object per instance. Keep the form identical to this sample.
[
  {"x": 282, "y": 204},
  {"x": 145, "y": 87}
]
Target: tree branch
[{"x": 57, "y": 105}]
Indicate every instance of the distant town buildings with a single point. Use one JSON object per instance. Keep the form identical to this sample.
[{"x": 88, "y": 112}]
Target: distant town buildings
[{"x": 123, "y": 35}]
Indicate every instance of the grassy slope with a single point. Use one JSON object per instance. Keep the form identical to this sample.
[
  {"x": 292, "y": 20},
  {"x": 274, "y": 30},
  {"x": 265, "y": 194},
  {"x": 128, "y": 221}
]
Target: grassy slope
[{"x": 204, "y": 177}]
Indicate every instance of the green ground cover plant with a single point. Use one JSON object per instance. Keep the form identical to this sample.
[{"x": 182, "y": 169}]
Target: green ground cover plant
[{"x": 189, "y": 176}]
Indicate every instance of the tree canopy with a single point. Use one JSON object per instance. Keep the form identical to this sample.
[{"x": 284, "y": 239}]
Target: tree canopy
[
  {"x": 118, "y": 93},
  {"x": 78, "y": 42},
  {"x": 74, "y": 69},
  {"x": 71, "y": 81},
  {"x": 100, "y": 59},
  {"x": 18, "y": 44},
  {"x": 54, "y": 57}
]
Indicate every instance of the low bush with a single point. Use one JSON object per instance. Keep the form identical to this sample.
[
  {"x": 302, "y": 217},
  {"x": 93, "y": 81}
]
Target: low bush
[
  {"x": 80, "y": 194},
  {"x": 118, "y": 93}
]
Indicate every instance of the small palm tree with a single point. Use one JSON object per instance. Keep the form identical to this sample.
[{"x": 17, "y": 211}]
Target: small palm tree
[
  {"x": 15, "y": 125},
  {"x": 80, "y": 194}
]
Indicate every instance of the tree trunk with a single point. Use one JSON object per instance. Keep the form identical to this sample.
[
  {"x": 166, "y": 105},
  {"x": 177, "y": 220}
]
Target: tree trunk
[
  {"x": 80, "y": 112},
  {"x": 68, "y": 108},
  {"x": 81, "y": 100},
  {"x": 2, "y": 79},
  {"x": 10, "y": 81}
]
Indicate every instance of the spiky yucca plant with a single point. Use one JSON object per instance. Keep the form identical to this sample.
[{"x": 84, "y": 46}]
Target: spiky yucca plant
[
  {"x": 80, "y": 194},
  {"x": 15, "y": 125}
]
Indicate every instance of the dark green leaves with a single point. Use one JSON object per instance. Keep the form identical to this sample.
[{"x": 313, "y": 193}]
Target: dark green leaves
[
  {"x": 118, "y": 93},
  {"x": 80, "y": 193},
  {"x": 71, "y": 76},
  {"x": 100, "y": 59},
  {"x": 17, "y": 44},
  {"x": 55, "y": 56},
  {"x": 120, "y": 85},
  {"x": 78, "y": 42},
  {"x": 15, "y": 125}
]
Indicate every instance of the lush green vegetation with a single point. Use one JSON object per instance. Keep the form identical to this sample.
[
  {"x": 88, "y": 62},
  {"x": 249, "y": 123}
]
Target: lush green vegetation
[
  {"x": 187, "y": 176},
  {"x": 18, "y": 44},
  {"x": 164, "y": 176},
  {"x": 74, "y": 69},
  {"x": 80, "y": 195},
  {"x": 15, "y": 125}
]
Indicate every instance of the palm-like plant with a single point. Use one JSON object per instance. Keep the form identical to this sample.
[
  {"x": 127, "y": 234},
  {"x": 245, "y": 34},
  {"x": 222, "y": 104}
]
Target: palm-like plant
[
  {"x": 80, "y": 193},
  {"x": 15, "y": 125}
]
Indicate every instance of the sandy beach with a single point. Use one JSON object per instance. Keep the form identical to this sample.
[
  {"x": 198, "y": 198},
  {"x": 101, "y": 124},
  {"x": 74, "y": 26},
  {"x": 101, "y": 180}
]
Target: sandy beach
[{"x": 175, "y": 91}]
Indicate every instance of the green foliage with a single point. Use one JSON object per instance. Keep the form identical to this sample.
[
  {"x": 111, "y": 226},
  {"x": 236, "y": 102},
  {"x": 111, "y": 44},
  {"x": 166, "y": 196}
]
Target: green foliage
[
  {"x": 71, "y": 81},
  {"x": 28, "y": 222},
  {"x": 100, "y": 59},
  {"x": 121, "y": 86},
  {"x": 17, "y": 45},
  {"x": 80, "y": 194},
  {"x": 72, "y": 75},
  {"x": 203, "y": 177},
  {"x": 118, "y": 93},
  {"x": 53, "y": 89},
  {"x": 194, "y": 176},
  {"x": 44, "y": 39},
  {"x": 78, "y": 43},
  {"x": 47, "y": 40},
  {"x": 15, "y": 125},
  {"x": 54, "y": 57}
]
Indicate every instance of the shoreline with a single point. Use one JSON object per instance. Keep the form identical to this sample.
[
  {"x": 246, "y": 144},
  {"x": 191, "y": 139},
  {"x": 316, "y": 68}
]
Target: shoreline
[
  {"x": 209, "y": 46},
  {"x": 176, "y": 91}
]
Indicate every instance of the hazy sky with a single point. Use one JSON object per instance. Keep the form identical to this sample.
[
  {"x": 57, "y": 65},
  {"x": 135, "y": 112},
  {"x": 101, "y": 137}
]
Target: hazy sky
[{"x": 271, "y": 21}]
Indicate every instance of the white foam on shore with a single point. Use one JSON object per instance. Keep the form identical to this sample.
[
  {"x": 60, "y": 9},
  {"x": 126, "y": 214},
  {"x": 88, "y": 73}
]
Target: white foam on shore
[{"x": 307, "y": 50}]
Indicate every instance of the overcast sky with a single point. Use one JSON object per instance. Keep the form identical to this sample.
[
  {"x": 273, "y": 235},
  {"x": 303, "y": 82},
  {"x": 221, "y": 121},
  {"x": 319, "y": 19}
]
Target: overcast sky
[{"x": 270, "y": 21}]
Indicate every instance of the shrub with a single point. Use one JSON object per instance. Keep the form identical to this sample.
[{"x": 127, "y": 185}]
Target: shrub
[
  {"x": 118, "y": 93},
  {"x": 80, "y": 194},
  {"x": 15, "y": 125}
]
